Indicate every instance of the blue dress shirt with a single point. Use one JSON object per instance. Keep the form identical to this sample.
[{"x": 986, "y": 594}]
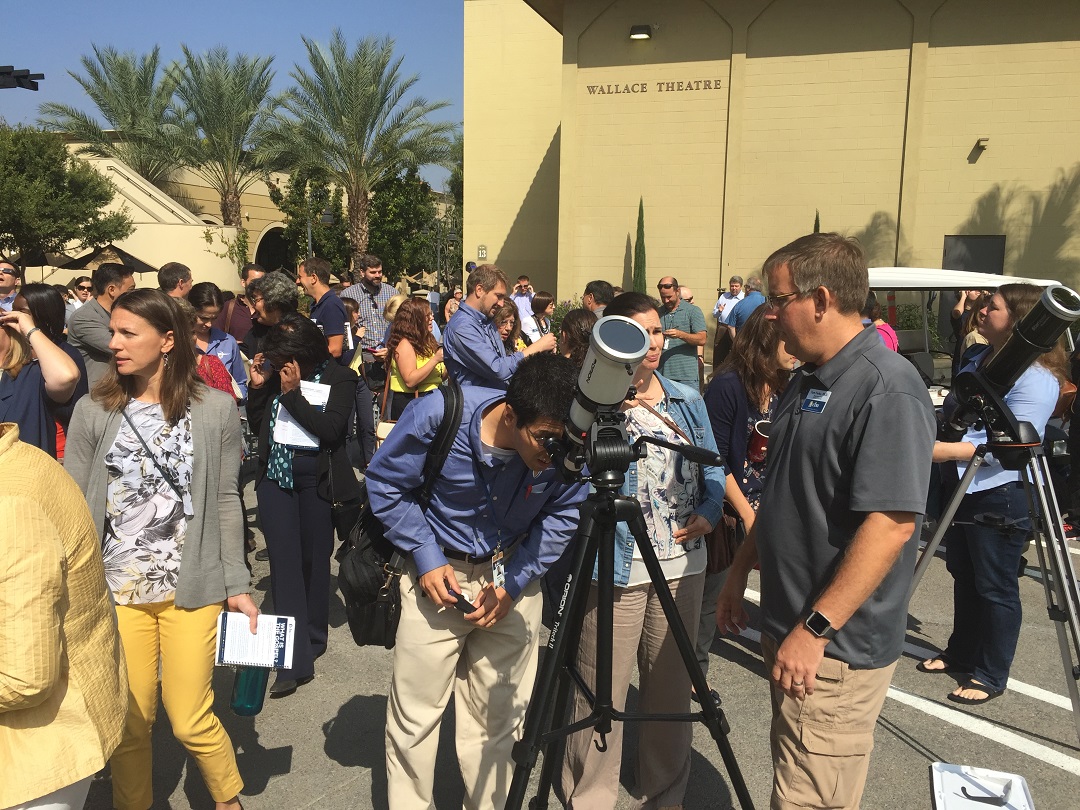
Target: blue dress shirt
[
  {"x": 474, "y": 352},
  {"x": 479, "y": 502}
]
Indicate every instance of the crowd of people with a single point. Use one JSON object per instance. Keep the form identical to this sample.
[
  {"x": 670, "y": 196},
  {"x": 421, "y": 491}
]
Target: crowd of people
[{"x": 150, "y": 398}]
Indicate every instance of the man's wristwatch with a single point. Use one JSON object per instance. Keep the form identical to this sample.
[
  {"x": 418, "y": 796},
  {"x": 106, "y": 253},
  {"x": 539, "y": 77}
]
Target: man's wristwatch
[{"x": 820, "y": 626}]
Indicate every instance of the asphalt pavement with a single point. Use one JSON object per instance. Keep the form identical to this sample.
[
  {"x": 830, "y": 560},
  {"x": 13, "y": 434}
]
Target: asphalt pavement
[{"x": 323, "y": 746}]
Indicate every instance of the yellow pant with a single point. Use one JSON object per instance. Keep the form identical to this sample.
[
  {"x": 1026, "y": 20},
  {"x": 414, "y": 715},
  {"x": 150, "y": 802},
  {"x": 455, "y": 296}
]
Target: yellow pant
[{"x": 183, "y": 640}]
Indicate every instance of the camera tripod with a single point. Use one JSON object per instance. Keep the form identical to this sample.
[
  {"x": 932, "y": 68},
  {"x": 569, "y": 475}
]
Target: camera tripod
[
  {"x": 1060, "y": 588},
  {"x": 610, "y": 455}
]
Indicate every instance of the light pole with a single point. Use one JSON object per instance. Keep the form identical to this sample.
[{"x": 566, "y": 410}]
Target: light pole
[{"x": 445, "y": 236}]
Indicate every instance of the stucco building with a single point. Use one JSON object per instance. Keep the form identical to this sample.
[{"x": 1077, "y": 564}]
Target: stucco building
[{"x": 941, "y": 132}]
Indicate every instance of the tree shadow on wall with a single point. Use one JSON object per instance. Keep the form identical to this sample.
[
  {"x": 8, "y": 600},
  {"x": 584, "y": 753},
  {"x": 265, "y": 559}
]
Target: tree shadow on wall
[
  {"x": 1040, "y": 226},
  {"x": 628, "y": 264},
  {"x": 878, "y": 240},
  {"x": 532, "y": 243}
]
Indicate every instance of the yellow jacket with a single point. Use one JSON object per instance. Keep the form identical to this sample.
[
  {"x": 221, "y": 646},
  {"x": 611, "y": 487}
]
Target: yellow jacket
[{"x": 63, "y": 683}]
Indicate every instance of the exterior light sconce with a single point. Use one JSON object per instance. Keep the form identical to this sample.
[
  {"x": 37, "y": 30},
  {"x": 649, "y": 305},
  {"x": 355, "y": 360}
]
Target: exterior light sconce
[
  {"x": 641, "y": 32},
  {"x": 982, "y": 143}
]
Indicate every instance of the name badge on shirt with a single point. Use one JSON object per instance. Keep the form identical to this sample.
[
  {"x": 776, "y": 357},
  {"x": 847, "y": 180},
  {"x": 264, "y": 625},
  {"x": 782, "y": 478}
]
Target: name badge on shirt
[
  {"x": 816, "y": 400},
  {"x": 498, "y": 569}
]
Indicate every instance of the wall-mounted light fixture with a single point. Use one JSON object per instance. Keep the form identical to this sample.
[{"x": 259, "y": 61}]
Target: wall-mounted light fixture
[
  {"x": 640, "y": 32},
  {"x": 982, "y": 143}
]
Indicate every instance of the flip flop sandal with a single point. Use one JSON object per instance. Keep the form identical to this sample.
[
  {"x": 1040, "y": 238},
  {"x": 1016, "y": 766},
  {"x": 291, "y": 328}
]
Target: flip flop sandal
[
  {"x": 978, "y": 687},
  {"x": 948, "y": 669}
]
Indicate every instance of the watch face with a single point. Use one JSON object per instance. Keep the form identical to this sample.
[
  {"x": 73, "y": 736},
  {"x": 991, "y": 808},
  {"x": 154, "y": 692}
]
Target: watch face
[{"x": 818, "y": 624}]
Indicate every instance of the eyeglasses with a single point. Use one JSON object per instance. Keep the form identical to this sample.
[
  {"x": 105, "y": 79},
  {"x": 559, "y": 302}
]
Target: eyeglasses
[
  {"x": 664, "y": 286},
  {"x": 7, "y": 271},
  {"x": 781, "y": 301},
  {"x": 85, "y": 288},
  {"x": 539, "y": 439}
]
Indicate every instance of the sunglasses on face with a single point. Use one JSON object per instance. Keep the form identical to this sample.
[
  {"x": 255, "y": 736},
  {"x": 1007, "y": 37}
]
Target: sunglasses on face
[
  {"x": 7, "y": 271},
  {"x": 87, "y": 288},
  {"x": 664, "y": 286}
]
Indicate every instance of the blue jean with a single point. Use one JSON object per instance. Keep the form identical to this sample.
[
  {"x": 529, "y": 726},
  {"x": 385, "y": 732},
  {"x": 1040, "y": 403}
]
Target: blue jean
[{"x": 984, "y": 563}]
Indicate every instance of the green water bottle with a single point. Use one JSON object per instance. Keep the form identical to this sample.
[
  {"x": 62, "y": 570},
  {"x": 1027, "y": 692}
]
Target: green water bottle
[{"x": 249, "y": 690}]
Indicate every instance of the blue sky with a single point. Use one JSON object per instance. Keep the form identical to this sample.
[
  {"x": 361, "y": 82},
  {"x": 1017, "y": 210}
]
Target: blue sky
[{"x": 50, "y": 38}]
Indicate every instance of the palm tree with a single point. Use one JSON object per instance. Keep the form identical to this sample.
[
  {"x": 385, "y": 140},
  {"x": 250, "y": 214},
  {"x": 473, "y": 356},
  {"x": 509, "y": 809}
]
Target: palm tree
[
  {"x": 348, "y": 116},
  {"x": 221, "y": 104},
  {"x": 134, "y": 99}
]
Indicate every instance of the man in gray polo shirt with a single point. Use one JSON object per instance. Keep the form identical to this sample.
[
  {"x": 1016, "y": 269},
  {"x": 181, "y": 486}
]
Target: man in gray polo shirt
[{"x": 836, "y": 536}]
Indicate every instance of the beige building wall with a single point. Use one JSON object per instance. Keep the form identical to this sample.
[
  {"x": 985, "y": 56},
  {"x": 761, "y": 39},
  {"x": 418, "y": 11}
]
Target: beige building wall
[
  {"x": 621, "y": 100},
  {"x": 867, "y": 111},
  {"x": 512, "y": 103},
  {"x": 1003, "y": 74}
]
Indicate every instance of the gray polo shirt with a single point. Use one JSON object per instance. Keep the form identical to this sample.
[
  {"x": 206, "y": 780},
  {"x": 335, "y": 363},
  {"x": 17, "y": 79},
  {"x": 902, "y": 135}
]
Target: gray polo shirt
[{"x": 867, "y": 450}]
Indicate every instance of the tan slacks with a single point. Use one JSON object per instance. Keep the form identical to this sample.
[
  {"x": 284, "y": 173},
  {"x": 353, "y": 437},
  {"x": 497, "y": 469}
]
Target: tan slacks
[
  {"x": 489, "y": 672},
  {"x": 184, "y": 641},
  {"x": 590, "y": 778},
  {"x": 821, "y": 745}
]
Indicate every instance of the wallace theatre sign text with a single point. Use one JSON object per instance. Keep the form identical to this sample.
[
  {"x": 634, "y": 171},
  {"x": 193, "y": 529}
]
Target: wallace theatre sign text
[{"x": 655, "y": 87}]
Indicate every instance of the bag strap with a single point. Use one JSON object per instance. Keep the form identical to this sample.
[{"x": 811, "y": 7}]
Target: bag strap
[
  {"x": 164, "y": 473},
  {"x": 666, "y": 420},
  {"x": 453, "y": 403}
]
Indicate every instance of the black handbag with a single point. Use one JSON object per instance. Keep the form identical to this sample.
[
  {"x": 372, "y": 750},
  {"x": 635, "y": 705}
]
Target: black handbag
[{"x": 369, "y": 565}]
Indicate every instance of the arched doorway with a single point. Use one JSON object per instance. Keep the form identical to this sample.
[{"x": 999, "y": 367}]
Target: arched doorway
[{"x": 271, "y": 253}]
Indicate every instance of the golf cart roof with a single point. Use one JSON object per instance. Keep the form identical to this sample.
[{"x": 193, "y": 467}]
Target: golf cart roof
[{"x": 920, "y": 278}]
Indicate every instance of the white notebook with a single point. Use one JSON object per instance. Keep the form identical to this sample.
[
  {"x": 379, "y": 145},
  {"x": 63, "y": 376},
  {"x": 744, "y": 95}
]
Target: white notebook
[{"x": 271, "y": 646}]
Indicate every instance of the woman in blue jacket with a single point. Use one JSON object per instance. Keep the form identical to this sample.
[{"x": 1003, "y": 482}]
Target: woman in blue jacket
[{"x": 681, "y": 502}]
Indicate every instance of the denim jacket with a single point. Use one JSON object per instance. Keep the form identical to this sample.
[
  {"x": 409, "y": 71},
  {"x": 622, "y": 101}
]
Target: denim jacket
[{"x": 687, "y": 409}]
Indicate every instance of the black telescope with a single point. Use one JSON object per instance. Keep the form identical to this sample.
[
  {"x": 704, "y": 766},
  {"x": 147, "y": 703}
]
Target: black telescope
[{"x": 1034, "y": 335}]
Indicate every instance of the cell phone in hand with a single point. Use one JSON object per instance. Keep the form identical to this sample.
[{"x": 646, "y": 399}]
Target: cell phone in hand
[{"x": 463, "y": 603}]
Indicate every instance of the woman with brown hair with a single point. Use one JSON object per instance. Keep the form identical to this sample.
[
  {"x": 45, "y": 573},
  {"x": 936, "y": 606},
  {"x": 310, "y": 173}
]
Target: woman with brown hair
[
  {"x": 157, "y": 455},
  {"x": 575, "y": 332},
  {"x": 508, "y": 321},
  {"x": 743, "y": 392},
  {"x": 416, "y": 360},
  {"x": 983, "y": 560}
]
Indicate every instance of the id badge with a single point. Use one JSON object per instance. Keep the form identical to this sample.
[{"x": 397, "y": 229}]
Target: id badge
[
  {"x": 498, "y": 569},
  {"x": 816, "y": 400}
]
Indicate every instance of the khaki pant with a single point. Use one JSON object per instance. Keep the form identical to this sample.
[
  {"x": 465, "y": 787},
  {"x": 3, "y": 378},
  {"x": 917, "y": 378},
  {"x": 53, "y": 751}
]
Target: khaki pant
[
  {"x": 821, "y": 745},
  {"x": 590, "y": 778},
  {"x": 489, "y": 672},
  {"x": 184, "y": 642}
]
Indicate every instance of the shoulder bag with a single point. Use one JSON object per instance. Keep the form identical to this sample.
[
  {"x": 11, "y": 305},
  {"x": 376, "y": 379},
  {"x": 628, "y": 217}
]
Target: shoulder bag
[{"x": 370, "y": 566}]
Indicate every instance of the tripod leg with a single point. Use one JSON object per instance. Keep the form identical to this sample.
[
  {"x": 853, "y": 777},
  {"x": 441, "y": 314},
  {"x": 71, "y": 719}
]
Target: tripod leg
[
  {"x": 1058, "y": 576},
  {"x": 561, "y": 644},
  {"x": 630, "y": 511},
  {"x": 946, "y": 518}
]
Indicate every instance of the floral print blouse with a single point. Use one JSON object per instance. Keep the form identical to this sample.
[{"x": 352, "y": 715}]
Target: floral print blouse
[
  {"x": 668, "y": 484},
  {"x": 145, "y": 519}
]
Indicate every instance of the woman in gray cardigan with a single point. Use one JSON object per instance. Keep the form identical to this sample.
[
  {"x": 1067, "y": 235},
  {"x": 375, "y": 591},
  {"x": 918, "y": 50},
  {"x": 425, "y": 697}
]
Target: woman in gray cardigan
[{"x": 157, "y": 455}]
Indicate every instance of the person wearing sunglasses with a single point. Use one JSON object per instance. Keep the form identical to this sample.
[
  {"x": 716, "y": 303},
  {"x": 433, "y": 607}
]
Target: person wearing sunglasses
[
  {"x": 9, "y": 280},
  {"x": 78, "y": 292}
]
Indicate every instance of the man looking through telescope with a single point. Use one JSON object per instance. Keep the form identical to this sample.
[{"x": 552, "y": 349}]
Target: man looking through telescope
[
  {"x": 498, "y": 518},
  {"x": 849, "y": 464}
]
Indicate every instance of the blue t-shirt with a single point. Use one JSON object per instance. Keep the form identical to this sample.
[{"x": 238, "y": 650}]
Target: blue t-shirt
[
  {"x": 329, "y": 315},
  {"x": 742, "y": 311}
]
